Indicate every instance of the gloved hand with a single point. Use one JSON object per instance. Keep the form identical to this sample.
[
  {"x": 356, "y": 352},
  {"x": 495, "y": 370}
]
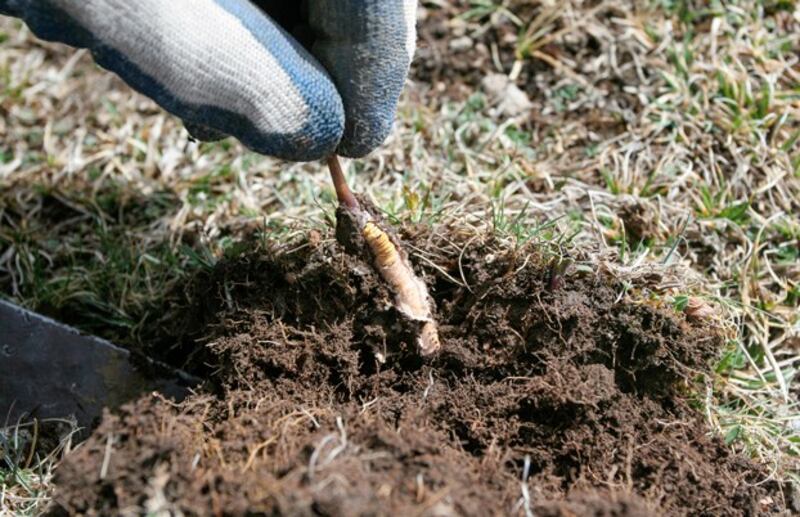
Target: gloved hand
[{"x": 223, "y": 66}]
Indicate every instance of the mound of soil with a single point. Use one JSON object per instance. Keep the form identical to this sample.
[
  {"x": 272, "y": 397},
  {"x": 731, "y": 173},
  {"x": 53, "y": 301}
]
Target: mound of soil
[{"x": 550, "y": 397}]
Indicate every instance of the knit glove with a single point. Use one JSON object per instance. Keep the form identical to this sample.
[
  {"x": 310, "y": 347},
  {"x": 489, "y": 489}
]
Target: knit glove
[{"x": 296, "y": 80}]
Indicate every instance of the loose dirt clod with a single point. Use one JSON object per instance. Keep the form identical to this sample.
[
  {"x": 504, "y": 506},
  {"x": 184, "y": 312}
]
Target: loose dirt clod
[{"x": 411, "y": 293}]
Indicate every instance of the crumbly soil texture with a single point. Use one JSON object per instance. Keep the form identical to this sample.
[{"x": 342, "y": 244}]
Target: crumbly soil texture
[{"x": 550, "y": 396}]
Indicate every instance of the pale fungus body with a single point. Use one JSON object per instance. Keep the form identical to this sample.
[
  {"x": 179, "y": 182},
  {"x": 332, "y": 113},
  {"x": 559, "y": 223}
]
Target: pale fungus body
[{"x": 411, "y": 296}]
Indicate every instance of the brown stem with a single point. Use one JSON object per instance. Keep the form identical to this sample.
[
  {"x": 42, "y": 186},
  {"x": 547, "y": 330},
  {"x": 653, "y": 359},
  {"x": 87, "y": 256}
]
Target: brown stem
[{"x": 343, "y": 192}]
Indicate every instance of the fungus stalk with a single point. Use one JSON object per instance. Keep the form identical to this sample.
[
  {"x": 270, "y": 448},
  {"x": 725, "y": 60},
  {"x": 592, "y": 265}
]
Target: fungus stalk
[{"x": 391, "y": 262}]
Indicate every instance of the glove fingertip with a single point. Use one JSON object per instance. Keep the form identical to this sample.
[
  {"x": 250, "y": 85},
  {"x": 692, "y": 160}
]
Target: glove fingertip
[
  {"x": 317, "y": 137},
  {"x": 365, "y": 134},
  {"x": 367, "y": 47}
]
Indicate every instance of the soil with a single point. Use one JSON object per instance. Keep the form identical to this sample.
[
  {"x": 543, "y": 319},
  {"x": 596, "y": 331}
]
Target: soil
[{"x": 553, "y": 398}]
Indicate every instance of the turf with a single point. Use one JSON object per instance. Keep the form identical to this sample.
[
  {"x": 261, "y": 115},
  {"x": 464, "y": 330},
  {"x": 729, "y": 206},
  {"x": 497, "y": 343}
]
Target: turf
[{"x": 662, "y": 146}]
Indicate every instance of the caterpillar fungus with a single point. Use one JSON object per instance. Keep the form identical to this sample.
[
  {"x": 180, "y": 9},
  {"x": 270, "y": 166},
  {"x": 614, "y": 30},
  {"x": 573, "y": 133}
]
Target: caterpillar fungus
[{"x": 410, "y": 293}]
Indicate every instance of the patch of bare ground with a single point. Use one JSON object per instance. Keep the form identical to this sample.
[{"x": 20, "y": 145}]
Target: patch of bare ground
[{"x": 551, "y": 395}]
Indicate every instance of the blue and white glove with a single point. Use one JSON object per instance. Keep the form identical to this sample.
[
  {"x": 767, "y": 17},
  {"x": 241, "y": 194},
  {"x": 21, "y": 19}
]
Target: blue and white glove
[{"x": 224, "y": 66}]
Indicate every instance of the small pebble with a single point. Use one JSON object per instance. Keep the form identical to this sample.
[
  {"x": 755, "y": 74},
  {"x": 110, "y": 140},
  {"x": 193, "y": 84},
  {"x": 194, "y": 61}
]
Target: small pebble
[{"x": 461, "y": 44}]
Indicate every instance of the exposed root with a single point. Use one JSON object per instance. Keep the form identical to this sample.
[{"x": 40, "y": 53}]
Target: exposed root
[{"x": 411, "y": 294}]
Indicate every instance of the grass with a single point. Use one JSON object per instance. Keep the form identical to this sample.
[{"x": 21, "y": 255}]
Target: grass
[
  {"x": 663, "y": 146},
  {"x": 26, "y": 471}
]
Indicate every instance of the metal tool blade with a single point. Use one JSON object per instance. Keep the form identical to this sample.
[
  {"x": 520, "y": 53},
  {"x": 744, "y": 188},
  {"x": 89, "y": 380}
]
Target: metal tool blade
[{"x": 50, "y": 370}]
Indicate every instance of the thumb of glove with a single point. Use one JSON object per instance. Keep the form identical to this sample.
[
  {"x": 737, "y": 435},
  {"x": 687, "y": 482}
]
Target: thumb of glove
[{"x": 219, "y": 64}]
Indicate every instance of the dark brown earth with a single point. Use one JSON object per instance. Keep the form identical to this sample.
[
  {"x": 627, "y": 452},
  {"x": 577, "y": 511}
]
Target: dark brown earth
[{"x": 550, "y": 397}]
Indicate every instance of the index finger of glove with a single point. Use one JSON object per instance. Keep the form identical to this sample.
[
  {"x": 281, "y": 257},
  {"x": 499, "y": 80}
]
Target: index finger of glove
[{"x": 367, "y": 47}]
